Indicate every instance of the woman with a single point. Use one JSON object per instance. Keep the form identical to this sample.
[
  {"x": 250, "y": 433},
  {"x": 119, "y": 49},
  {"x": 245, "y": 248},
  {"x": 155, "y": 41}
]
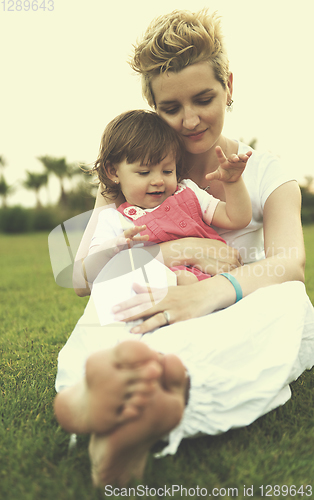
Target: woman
[{"x": 229, "y": 367}]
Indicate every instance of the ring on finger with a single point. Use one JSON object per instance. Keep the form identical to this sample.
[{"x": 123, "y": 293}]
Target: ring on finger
[{"x": 167, "y": 317}]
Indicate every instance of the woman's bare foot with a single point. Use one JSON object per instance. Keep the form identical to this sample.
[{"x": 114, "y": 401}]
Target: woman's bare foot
[
  {"x": 130, "y": 398},
  {"x": 121, "y": 455},
  {"x": 117, "y": 383}
]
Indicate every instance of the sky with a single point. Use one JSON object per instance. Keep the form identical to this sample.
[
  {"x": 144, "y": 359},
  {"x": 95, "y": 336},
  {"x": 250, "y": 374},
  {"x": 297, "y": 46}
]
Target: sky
[{"x": 64, "y": 76}]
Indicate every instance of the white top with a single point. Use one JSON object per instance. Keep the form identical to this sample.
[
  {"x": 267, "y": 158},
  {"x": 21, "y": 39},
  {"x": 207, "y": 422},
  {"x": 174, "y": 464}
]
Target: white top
[{"x": 262, "y": 175}]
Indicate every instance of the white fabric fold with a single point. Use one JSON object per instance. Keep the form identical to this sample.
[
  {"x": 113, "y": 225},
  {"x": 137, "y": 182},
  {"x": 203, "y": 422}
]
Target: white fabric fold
[{"x": 240, "y": 360}]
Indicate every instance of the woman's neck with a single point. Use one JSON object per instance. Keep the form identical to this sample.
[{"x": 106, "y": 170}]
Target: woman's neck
[{"x": 201, "y": 164}]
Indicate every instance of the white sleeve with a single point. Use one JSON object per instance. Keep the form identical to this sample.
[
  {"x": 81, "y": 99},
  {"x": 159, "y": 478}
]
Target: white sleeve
[
  {"x": 207, "y": 202},
  {"x": 272, "y": 175},
  {"x": 263, "y": 174},
  {"x": 110, "y": 225}
]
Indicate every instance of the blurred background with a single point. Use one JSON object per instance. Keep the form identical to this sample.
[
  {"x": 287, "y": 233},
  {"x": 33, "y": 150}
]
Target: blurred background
[{"x": 64, "y": 75}]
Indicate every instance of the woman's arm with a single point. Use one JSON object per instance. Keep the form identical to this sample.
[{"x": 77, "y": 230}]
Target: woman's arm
[
  {"x": 285, "y": 261},
  {"x": 210, "y": 256},
  {"x": 283, "y": 242}
]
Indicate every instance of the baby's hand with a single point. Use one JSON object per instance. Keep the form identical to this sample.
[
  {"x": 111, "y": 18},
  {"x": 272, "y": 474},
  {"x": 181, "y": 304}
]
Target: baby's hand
[
  {"x": 230, "y": 169},
  {"x": 131, "y": 236}
]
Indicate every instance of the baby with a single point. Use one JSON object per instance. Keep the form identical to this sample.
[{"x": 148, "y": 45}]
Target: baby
[{"x": 141, "y": 162}]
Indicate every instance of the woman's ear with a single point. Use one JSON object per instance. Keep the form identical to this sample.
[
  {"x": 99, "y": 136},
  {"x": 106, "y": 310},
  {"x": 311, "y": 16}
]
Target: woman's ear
[
  {"x": 111, "y": 172},
  {"x": 230, "y": 85}
]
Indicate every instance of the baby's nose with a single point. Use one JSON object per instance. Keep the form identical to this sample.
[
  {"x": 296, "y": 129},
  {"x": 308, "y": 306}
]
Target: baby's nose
[{"x": 158, "y": 181}]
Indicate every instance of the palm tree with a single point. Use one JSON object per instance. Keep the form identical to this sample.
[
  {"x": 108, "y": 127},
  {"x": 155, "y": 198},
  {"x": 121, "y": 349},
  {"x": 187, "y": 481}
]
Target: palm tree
[
  {"x": 3, "y": 163},
  {"x": 5, "y": 190},
  {"x": 36, "y": 181},
  {"x": 61, "y": 169}
]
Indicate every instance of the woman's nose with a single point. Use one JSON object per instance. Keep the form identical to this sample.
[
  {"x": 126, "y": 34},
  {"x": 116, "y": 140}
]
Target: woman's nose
[{"x": 190, "y": 119}]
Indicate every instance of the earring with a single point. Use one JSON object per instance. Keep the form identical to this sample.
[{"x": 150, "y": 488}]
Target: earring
[
  {"x": 230, "y": 105},
  {"x": 116, "y": 182}
]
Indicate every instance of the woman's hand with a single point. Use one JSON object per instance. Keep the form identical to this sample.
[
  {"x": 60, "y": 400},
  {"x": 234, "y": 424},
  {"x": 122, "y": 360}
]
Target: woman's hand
[
  {"x": 178, "y": 302},
  {"x": 182, "y": 302},
  {"x": 210, "y": 256}
]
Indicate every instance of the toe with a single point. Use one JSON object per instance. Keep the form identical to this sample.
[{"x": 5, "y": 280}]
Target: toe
[
  {"x": 127, "y": 413},
  {"x": 174, "y": 374},
  {"x": 133, "y": 353}
]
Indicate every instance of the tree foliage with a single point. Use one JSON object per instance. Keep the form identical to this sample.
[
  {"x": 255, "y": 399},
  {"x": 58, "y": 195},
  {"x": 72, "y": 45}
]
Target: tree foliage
[
  {"x": 5, "y": 190},
  {"x": 3, "y": 163},
  {"x": 35, "y": 181},
  {"x": 61, "y": 169}
]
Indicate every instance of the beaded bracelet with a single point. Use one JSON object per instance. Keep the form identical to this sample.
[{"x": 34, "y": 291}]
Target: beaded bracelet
[{"x": 236, "y": 285}]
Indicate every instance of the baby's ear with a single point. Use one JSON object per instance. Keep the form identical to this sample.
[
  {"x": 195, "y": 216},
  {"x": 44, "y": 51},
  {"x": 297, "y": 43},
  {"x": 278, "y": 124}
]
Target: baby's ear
[{"x": 111, "y": 171}]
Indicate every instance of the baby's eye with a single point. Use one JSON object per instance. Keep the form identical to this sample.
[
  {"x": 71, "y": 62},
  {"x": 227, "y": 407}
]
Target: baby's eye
[
  {"x": 168, "y": 172},
  {"x": 143, "y": 173}
]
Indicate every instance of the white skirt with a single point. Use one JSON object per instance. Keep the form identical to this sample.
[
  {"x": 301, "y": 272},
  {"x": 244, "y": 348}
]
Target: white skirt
[{"x": 241, "y": 360}]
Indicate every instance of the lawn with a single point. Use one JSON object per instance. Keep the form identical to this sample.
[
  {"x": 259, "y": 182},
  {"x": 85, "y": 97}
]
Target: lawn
[{"x": 36, "y": 318}]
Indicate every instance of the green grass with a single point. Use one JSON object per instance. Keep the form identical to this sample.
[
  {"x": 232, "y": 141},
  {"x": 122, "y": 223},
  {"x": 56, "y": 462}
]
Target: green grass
[{"x": 35, "y": 320}]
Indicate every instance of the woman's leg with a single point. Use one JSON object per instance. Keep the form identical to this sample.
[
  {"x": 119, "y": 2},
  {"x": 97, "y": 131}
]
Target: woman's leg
[{"x": 240, "y": 361}]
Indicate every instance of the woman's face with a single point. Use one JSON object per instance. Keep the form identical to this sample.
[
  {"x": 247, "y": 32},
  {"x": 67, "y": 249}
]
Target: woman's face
[{"x": 193, "y": 103}]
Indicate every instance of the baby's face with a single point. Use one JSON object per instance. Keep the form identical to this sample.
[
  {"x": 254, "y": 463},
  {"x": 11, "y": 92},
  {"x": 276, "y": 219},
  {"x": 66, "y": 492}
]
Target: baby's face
[{"x": 147, "y": 186}]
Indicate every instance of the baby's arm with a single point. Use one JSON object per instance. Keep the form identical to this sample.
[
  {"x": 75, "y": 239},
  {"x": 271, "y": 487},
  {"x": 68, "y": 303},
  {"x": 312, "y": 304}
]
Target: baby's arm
[
  {"x": 99, "y": 255},
  {"x": 236, "y": 211}
]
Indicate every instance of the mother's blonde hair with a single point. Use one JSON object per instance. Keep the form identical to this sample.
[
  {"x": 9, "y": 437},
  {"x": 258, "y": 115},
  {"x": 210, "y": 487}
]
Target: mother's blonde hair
[{"x": 174, "y": 41}]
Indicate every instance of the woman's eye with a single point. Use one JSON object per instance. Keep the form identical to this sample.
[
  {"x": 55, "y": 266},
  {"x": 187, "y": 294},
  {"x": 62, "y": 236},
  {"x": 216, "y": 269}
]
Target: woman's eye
[
  {"x": 171, "y": 111},
  {"x": 205, "y": 102}
]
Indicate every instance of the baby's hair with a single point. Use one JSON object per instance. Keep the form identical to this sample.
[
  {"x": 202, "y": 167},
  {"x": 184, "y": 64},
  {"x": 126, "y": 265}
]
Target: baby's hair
[
  {"x": 174, "y": 41},
  {"x": 137, "y": 136}
]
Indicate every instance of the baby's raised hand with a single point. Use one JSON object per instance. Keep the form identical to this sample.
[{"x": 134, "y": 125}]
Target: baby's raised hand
[{"x": 230, "y": 169}]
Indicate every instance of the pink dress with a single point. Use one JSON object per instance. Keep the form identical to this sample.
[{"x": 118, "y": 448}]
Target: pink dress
[{"x": 178, "y": 216}]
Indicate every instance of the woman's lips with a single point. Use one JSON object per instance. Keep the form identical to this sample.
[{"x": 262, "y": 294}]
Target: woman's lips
[{"x": 195, "y": 137}]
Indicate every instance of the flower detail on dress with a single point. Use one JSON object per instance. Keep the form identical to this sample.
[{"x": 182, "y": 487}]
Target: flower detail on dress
[
  {"x": 134, "y": 212},
  {"x": 180, "y": 188}
]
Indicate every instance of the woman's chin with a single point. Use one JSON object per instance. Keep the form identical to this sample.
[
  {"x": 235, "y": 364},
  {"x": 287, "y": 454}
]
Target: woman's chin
[{"x": 197, "y": 149}]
